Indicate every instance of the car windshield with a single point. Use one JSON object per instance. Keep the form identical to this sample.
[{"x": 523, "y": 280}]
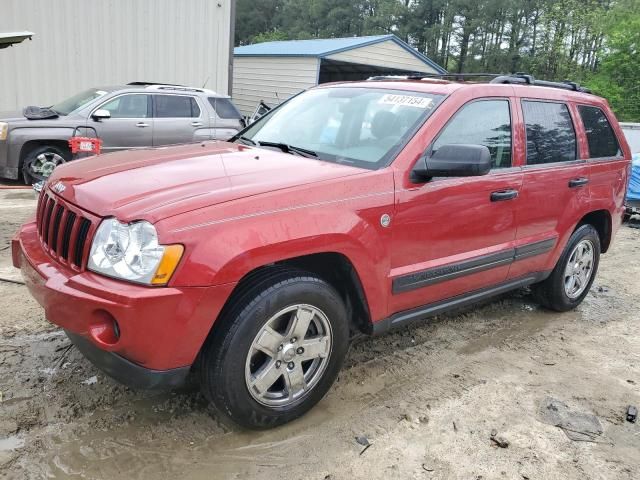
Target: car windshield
[
  {"x": 365, "y": 127},
  {"x": 77, "y": 101}
]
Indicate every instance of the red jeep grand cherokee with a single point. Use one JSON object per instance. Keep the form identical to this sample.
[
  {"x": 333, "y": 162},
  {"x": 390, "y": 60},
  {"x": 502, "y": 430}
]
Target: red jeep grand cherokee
[{"x": 353, "y": 207}]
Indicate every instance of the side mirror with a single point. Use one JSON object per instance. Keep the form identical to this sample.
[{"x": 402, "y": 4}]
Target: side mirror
[
  {"x": 101, "y": 114},
  {"x": 453, "y": 161}
]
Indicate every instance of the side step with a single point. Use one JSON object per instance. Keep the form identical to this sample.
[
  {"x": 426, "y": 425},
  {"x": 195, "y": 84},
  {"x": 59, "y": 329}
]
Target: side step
[{"x": 409, "y": 316}]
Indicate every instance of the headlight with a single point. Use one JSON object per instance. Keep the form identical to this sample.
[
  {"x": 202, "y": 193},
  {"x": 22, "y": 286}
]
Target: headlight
[
  {"x": 130, "y": 251},
  {"x": 4, "y": 130}
]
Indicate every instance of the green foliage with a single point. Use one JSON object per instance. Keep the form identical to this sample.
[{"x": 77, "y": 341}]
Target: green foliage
[
  {"x": 618, "y": 75},
  {"x": 593, "y": 41}
]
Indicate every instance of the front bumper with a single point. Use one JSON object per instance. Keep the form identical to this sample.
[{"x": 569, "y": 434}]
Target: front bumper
[
  {"x": 142, "y": 336},
  {"x": 126, "y": 372}
]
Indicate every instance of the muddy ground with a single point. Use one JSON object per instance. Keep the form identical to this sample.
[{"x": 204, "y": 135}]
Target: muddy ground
[{"x": 427, "y": 398}]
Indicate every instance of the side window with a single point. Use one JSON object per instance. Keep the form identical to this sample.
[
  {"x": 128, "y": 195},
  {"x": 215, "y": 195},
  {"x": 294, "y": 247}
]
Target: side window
[
  {"x": 483, "y": 122},
  {"x": 224, "y": 108},
  {"x": 550, "y": 134},
  {"x": 175, "y": 106},
  {"x": 602, "y": 140},
  {"x": 128, "y": 106}
]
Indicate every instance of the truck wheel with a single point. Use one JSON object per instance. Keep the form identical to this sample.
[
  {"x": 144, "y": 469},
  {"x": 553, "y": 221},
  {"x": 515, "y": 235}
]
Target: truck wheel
[
  {"x": 40, "y": 162},
  {"x": 574, "y": 273},
  {"x": 277, "y": 349}
]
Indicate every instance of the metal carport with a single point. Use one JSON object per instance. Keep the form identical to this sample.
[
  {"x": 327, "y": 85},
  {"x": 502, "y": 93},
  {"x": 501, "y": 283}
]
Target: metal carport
[{"x": 274, "y": 71}]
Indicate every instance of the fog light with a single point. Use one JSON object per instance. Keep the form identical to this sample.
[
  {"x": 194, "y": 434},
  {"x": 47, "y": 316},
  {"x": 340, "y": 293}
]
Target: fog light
[{"x": 105, "y": 329}]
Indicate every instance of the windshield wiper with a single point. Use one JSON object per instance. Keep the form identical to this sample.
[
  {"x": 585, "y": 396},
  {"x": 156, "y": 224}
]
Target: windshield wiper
[
  {"x": 247, "y": 140},
  {"x": 290, "y": 149}
]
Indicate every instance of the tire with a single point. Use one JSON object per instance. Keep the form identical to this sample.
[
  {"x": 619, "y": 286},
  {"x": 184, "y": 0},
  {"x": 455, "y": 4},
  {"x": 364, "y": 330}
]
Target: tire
[
  {"x": 557, "y": 292},
  {"x": 38, "y": 163},
  {"x": 235, "y": 372}
]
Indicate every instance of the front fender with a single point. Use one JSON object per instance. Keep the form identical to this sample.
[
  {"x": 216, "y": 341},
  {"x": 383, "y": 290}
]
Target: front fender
[
  {"x": 225, "y": 250},
  {"x": 21, "y": 135}
]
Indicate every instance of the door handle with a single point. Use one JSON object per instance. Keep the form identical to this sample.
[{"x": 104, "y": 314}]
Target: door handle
[
  {"x": 196, "y": 124},
  {"x": 578, "y": 182},
  {"x": 142, "y": 124},
  {"x": 502, "y": 195}
]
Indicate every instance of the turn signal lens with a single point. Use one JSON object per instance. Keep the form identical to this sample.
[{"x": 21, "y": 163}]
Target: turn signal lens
[
  {"x": 4, "y": 130},
  {"x": 168, "y": 264}
]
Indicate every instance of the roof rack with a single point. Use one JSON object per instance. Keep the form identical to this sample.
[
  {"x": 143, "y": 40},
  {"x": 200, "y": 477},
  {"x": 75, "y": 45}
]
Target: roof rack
[
  {"x": 424, "y": 76},
  {"x": 169, "y": 86},
  {"x": 523, "y": 79},
  {"x": 516, "y": 78},
  {"x": 146, "y": 84}
]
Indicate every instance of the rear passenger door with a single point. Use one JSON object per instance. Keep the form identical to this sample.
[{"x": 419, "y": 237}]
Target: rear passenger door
[
  {"x": 555, "y": 190},
  {"x": 177, "y": 119}
]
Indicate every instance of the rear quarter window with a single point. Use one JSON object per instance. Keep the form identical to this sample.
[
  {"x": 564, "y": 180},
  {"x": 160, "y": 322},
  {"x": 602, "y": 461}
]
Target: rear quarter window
[
  {"x": 602, "y": 141},
  {"x": 224, "y": 108}
]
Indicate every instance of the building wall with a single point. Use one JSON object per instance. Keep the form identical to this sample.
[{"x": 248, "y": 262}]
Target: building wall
[
  {"x": 384, "y": 54},
  {"x": 272, "y": 79},
  {"x": 80, "y": 44}
]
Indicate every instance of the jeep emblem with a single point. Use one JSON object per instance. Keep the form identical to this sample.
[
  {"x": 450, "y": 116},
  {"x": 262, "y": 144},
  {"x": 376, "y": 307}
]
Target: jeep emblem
[{"x": 58, "y": 187}]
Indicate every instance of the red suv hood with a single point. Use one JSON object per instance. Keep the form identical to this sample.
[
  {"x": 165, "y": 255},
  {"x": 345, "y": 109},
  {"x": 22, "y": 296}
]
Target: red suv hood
[{"x": 161, "y": 182}]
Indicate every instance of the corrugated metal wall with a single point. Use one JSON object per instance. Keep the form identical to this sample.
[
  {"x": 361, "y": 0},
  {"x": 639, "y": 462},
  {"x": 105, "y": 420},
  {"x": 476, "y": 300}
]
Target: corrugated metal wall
[
  {"x": 385, "y": 54},
  {"x": 272, "y": 79},
  {"x": 83, "y": 43}
]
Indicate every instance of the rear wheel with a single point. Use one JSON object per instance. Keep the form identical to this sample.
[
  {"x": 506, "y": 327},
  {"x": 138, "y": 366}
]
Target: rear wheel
[
  {"x": 40, "y": 162},
  {"x": 574, "y": 273},
  {"x": 277, "y": 349}
]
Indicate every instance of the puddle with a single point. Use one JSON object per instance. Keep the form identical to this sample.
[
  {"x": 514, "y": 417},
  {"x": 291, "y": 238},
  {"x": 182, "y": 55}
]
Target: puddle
[
  {"x": 191, "y": 446},
  {"x": 11, "y": 443}
]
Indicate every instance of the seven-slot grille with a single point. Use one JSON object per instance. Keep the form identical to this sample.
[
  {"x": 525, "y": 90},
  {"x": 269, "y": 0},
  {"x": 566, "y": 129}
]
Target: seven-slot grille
[{"x": 63, "y": 232}]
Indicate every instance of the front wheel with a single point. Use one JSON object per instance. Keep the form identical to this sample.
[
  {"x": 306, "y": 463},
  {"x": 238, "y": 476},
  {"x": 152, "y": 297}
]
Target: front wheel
[
  {"x": 277, "y": 350},
  {"x": 574, "y": 273},
  {"x": 40, "y": 162}
]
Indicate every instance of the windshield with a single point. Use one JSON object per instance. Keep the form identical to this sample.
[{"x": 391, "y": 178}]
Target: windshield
[
  {"x": 365, "y": 127},
  {"x": 77, "y": 101}
]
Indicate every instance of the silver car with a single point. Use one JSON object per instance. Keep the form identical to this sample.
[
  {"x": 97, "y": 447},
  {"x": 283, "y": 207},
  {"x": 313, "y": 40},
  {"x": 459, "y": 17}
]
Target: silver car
[{"x": 137, "y": 115}]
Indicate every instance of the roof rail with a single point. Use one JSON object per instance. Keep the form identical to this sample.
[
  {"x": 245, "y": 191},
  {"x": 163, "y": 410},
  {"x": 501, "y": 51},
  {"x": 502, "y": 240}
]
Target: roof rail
[
  {"x": 523, "y": 79},
  {"x": 179, "y": 88},
  {"x": 516, "y": 78},
  {"x": 145, "y": 84},
  {"x": 424, "y": 76}
]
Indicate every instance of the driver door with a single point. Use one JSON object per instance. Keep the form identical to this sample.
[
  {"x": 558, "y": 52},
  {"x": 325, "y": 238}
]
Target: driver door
[
  {"x": 456, "y": 235},
  {"x": 130, "y": 124}
]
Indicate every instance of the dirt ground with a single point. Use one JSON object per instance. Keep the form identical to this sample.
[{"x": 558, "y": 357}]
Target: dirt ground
[{"x": 427, "y": 398}]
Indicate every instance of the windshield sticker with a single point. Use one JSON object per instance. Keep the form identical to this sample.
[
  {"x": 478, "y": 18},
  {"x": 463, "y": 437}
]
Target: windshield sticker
[{"x": 407, "y": 101}]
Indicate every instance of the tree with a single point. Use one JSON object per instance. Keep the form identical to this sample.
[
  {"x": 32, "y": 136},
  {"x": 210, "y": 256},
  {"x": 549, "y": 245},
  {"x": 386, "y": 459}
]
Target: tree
[
  {"x": 618, "y": 76},
  {"x": 583, "y": 40}
]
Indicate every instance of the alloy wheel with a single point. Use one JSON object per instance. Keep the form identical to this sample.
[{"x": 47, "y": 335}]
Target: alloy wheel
[
  {"x": 289, "y": 355},
  {"x": 579, "y": 269},
  {"x": 43, "y": 165}
]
